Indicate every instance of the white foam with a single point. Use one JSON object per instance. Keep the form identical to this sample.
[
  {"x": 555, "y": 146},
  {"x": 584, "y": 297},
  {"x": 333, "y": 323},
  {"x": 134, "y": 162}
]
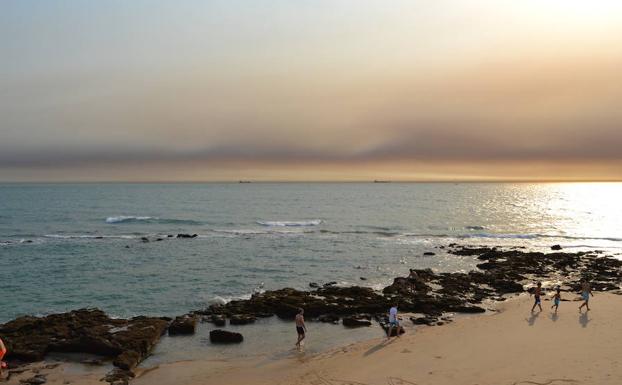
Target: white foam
[
  {"x": 127, "y": 218},
  {"x": 88, "y": 236},
  {"x": 313, "y": 222}
]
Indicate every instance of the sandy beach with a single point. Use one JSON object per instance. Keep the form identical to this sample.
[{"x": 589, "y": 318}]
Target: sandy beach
[{"x": 512, "y": 346}]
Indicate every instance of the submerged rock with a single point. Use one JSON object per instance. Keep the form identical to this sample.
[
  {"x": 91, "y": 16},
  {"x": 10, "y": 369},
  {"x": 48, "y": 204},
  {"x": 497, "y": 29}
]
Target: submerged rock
[
  {"x": 187, "y": 235},
  {"x": 241, "y": 319},
  {"x": 225, "y": 337},
  {"x": 353, "y": 322},
  {"x": 218, "y": 320},
  {"x": 185, "y": 324},
  {"x": 328, "y": 318}
]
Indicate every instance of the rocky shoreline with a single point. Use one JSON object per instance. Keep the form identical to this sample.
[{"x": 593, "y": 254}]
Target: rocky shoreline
[
  {"x": 501, "y": 272},
  {"x": 128, "y": 342}
]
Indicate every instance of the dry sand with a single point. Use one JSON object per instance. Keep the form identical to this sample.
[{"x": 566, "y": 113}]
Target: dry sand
[{"x": 511, "y": 347}]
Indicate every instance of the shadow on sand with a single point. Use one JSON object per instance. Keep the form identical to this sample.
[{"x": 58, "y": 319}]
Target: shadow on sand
[
  {"x": 378, "y": 347},
  {"x": 532, "y": 319},
  {"x": 583, "y": 320}
]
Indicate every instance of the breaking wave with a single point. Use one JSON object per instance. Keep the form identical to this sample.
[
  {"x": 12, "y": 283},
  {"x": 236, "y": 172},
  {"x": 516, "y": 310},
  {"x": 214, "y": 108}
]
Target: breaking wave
[
  {"x": 313, "y": 222},
  {"x": 146, "y": 219}
]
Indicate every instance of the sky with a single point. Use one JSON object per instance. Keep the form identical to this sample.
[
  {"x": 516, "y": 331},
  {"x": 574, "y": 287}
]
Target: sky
[{"x": 149, "y": 90}]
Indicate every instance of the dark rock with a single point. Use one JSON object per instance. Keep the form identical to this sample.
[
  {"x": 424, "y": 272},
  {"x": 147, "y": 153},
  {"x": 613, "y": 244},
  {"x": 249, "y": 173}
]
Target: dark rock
[
  {"x": 144, "y": 239},
  {"x": 93, "y": 362},
  {"x": 429, "y": 253},
  {"x": 353, "y": 322},
  {"x": 218, "y": 320},
  {"x": 394, "y": 330},
  {"x": 82, "y": 331},
  {"x": 241, "y": 319},
  {"x": 500, "y": 272},
  {"x": 363, "y": 279},
  {"x": 159, "y": 239},
  {"x": 263, "y": 314},
  {"x": 556, "y": 247},
  {"x": 223, "y": 336},
  {"x": 331, "y": 283},
  {"x": 467, "y": 309},
  {"x": 423, "y": 321},
  {"x": 329, "y": 318},
  {"x": 118, "y": 376},
  {"x": 127, "y": 360},
  {"x": 314, "y": 285},
  {"x": 187, "y": 235},
  {"x": 36, "y": 380},
  {"x": 185, "y": 324}
]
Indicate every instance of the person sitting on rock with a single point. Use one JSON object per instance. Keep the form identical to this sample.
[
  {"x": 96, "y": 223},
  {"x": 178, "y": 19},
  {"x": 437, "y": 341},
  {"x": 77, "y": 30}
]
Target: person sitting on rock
[{"x": 301, "y": 328}]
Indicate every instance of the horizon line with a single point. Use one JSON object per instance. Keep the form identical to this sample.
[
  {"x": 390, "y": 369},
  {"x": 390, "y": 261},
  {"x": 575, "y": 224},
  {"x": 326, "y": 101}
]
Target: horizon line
[{"x": 377, "y": 181}]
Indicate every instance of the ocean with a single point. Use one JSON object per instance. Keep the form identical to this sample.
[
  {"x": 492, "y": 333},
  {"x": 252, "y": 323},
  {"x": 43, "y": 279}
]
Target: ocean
[{"x": 68, "y": 246}]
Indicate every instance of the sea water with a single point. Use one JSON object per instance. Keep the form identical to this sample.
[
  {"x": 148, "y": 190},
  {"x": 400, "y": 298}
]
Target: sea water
[{"x": 68, "y": 246}]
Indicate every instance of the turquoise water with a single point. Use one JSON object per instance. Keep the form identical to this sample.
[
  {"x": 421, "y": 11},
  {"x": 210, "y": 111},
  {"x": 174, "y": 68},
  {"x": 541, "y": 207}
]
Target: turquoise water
[{"x": 65, "y": 246}]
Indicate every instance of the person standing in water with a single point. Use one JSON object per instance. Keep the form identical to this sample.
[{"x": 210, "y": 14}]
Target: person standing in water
[
  {"x": 537, "y": 294},
  {"x": 301, "y": 328},
  {"x": 586, "y": 291},
  {"x": 557, "y": 299}
]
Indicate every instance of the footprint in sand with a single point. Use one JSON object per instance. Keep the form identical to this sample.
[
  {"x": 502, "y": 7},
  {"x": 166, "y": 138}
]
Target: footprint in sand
[
  {"x": 400, "y": 381},
  {"x": 555, "y": 381}
]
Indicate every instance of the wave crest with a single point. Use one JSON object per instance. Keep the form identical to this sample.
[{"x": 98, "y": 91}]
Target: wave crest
[
  {"x": 313, "y": 222},
  {"x": 127, "y": 218},
  {"x": 146, "y": 219}
]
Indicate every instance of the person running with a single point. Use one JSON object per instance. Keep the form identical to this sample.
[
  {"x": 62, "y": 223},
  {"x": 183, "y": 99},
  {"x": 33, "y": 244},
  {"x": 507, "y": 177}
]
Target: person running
[
  {"x": 557, "y": 299},
  {"x": 537, "y": 294},
  {"x": 393, "y": 322},
  {"x": 2, "y": 354},
  {"x": 586, "y": 291},
  {"x": 301, "y": 328}
]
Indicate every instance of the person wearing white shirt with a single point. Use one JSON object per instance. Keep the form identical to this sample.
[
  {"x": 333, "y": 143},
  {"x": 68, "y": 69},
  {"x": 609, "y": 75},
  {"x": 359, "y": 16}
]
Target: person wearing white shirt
[{"x": 393, "y": 322}]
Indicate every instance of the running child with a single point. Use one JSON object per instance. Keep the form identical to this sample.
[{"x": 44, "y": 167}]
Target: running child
[
  {"x": 537, "y": 294},
  {"x": 586, "y": 291},
  {"x": 557, "y": 299}
]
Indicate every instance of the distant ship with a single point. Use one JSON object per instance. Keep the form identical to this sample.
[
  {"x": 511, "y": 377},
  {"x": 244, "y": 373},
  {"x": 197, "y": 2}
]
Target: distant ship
[{"x": 382, "y": 181}]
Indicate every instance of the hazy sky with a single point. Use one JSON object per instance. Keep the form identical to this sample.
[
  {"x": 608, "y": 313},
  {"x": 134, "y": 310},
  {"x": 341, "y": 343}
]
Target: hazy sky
[{"x": 310, "y": 90}]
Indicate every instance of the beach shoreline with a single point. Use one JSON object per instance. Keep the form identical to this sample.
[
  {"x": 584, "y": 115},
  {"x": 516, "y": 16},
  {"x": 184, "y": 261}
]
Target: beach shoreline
[
  {"x": 499, "y": 286},
  {"x": 511, "y": 346}
]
